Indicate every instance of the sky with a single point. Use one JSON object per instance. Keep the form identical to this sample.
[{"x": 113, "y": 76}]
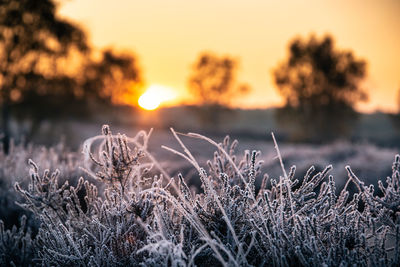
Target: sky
[{"x": 168, "y": 35}]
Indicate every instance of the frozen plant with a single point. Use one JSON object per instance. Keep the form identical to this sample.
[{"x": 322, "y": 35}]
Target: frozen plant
[
  {"x": 16, "y": 248},
  {"x": 135, "y": 214},
  {"x": 86, "y": 229}
]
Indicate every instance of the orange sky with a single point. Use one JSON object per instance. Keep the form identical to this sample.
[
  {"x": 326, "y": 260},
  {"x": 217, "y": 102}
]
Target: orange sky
[{"x": 168, "y": 35}]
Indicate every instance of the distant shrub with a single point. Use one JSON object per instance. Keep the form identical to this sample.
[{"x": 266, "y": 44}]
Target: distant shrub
[{"x": 156, "y": 220}]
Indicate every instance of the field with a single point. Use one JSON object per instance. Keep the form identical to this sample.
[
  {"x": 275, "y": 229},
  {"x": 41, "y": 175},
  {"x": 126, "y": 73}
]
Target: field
[
  {"x": 198, "y": 202},
  {"x": 199, "y": 133}
]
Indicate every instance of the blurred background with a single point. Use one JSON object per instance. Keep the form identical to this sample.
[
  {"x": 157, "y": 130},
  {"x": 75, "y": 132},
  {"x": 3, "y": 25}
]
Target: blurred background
[{"x": 324, "y": 76}]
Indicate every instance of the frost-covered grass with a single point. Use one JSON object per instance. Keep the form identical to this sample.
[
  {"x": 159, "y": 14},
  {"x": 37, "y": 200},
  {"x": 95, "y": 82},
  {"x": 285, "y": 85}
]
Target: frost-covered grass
[{"x": 127, "y": 209}]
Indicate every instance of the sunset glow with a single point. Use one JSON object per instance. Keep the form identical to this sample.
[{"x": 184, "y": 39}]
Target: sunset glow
[
  {"x": 256, "y": 32},
  {"x": 154, "y": 96}
]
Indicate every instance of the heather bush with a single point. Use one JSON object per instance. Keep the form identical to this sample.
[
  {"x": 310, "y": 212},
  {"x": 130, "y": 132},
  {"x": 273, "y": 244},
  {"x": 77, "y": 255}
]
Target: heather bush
[
  {"x": 14, "y": 168},
  {"x": 127, "y": 210}
]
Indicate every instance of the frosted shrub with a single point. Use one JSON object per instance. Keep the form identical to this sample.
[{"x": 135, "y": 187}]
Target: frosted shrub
[
  {"x": 14, "y": 168},
  {"x": 16, "y": 246},
  {"x": 89, "y": 229},
  {"x": 133, "y": 213}
]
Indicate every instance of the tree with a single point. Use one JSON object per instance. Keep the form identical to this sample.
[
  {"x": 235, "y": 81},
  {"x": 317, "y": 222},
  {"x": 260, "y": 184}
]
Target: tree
[
  {"x": 320, "y": 85},
  {"x": 398, "y": 101},
  {"x": 32, "y": 37},
  {"x": 213, "y": 83},
  {"x": 395, "y": 117},
  {"x": 37, "y": 51},
  {"x": 114, "y": 79}
]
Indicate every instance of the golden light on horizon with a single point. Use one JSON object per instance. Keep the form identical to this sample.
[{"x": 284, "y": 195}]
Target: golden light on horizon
[
  {"x": 256, "y": 32},
  {"x": 156, "y": 95}
]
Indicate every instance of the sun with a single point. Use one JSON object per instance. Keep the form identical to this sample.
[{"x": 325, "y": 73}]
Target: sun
[{"x": 154, "y": 96}]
